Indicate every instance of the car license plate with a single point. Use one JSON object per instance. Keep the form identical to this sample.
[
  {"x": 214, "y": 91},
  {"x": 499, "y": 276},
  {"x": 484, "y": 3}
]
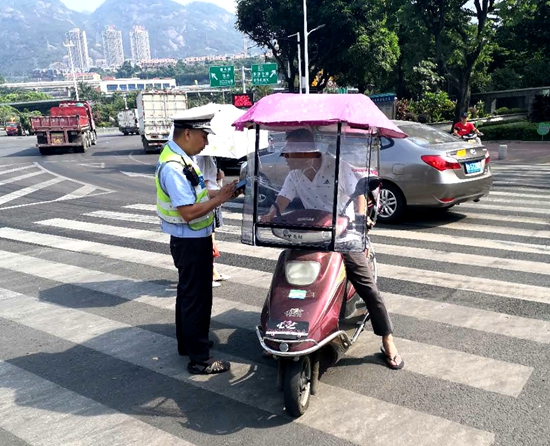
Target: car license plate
[
  {"x": 57, "y": 138},
  {"x": 473, "y": 167}
]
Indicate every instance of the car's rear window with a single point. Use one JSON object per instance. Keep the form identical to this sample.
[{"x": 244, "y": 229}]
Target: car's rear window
[{"x": 424, "y": 135}]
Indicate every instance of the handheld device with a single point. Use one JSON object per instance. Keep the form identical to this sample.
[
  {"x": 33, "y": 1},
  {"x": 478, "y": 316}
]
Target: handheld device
[{"x": 241, "y": 185}]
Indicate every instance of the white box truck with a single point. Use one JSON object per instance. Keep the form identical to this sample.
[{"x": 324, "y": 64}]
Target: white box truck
[
  {"x": 155, "y": 112},
  {"x": 128, "y": 121}
]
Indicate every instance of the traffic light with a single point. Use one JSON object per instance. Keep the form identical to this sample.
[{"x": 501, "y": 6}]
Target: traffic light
[{"x": 243, "y": 100}]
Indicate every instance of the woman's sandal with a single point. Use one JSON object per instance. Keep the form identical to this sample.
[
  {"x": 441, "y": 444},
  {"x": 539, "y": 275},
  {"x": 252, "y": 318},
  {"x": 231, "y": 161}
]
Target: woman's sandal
[
  {"x": 392, "y": 362},
  {"x": 209, "y": 367}
]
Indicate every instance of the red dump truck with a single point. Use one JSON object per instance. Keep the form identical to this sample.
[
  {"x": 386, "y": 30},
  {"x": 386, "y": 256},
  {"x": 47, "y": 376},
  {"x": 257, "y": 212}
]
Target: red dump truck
[{"x": 70, "y": 125}]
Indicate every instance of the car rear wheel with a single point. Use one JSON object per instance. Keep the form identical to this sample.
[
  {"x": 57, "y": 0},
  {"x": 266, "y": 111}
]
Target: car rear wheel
[{"x": 392, "y": 203}]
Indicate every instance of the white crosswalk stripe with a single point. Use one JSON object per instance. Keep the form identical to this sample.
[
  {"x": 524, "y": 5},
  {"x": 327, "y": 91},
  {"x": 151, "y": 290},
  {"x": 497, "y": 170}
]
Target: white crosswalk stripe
[
  {"x": 80, "y": 428},
  {"x": 447, "y": 280},
  {"x": 105, "y": 335},
  {"x": 489, "y": 374},
  {"x": 481, "y": 244},
  {"x": 75, "y": 189}
]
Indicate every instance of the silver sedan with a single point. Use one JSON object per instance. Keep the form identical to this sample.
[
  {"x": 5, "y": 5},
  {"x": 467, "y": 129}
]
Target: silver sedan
[{"x": 429, "y": 168}]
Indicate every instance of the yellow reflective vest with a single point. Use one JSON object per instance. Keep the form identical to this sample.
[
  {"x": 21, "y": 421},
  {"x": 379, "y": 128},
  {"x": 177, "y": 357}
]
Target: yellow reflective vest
[{"x": 165, "y": 210}]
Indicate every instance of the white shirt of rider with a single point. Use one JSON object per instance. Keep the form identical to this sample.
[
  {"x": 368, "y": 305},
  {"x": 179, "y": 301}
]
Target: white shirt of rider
[{"x": 319, "y": 193}]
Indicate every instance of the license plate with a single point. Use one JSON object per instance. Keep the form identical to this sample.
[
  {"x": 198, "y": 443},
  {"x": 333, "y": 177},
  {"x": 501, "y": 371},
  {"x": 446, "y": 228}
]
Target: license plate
[
  {"x": 287, "y": 329},
  {"x": 473, "y": 167},
  {"x": 57, "y": 139}
]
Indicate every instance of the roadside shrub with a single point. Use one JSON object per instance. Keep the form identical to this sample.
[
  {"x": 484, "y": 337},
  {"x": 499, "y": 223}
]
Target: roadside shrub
[
  {"x": 508, "y": 111},
  {"x": 540, "y": 108},
  {"x": 518, "y": 131},
  {"x": 403, "y": 111},
  {"x": 432, "y": 106},
  {"x": 477, "y": 111},
  {"x": 497, "y": 123}
]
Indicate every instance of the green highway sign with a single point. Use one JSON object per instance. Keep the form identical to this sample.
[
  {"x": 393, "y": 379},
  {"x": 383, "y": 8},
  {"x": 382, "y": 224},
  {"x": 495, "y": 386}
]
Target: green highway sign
[
  {"x": 222, "y": 76},
  {"x": 264, "y": 74},
  {"x": 543, "y": 129}
]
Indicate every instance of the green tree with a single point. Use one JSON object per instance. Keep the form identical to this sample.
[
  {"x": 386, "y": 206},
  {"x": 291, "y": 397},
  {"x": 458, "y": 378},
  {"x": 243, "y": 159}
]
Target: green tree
[
  {"x": 353, "y": 43},
  {"x": 88, "y": 93},
  {"x": 523, "y": 40},
  {"x": 20, "y": 95},
  {"x": 460, "y": 36},
  {"x": 126, "y": 70}
]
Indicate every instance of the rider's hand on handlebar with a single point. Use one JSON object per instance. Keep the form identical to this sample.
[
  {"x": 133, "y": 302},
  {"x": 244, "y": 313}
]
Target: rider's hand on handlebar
[{"x": 267, "y": 217}]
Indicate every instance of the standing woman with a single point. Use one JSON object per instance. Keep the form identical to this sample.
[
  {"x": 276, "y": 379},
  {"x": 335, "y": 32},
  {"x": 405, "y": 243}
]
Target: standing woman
[{"x": 213, "y": 178}]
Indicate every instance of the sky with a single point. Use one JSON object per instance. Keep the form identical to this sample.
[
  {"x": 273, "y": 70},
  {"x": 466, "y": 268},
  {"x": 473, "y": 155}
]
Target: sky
[{"x": 91, "y": 5}]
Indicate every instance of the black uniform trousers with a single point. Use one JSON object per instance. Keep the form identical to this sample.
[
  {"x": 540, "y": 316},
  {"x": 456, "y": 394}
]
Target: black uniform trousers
[
  {"x": 193, "y": 259},
  {"x": 360, "y": 276}
]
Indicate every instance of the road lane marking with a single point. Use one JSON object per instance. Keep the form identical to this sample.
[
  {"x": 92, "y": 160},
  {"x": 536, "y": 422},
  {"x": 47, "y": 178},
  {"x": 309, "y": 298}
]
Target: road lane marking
[
  {"x": 505, "y": 379},
  {"x": 16, "y": 169},
  {"x": 259, "y": 278},
  {"x": 124, "y": 216},
  {"x": 247, "y": 380},
  {"x": 63, "y": 417},
  {"x": 20, "y": 177},
  {"x": 471, "y": 227},
  {"x": 434, "y": 278},
  {"x": 273, "y": 253},
  {"x": 379, "y": 231},
  {"x": 28, "y": 190}
]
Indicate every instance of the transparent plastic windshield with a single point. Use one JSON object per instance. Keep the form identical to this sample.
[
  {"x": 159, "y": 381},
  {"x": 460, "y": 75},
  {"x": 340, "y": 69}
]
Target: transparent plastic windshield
[{"x": 302, "y": 195}]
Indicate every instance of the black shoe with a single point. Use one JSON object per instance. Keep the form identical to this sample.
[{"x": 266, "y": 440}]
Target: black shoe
[{"x": 182, "y": 351}]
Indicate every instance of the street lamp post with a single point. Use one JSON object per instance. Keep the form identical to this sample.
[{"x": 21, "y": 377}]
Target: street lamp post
[
  {"x": 297, "y": 35},
  {"x": 306, "y": 43},
  {"x": 68, "y": 45},
  {"x": 306, "y": 52}
]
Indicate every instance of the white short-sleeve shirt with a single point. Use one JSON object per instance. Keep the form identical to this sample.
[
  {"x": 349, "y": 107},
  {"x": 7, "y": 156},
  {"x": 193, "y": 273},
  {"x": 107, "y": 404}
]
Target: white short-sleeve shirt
[{"x": 319, "y": 192}]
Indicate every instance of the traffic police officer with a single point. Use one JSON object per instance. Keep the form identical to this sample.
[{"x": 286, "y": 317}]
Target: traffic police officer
[{"x": 185, "y": 208}]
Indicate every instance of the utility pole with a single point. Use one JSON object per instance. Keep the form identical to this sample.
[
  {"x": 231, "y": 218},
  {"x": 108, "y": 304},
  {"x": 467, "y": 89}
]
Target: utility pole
[
  {"x": 297, "y": 35},
  {"x": 306, "y": 52},
  {"x": 68, "y": 45}
]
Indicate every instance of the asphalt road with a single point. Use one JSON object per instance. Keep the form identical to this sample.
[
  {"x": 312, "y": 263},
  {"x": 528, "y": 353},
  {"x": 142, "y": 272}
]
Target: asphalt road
[{"x": 87, "y": 342}]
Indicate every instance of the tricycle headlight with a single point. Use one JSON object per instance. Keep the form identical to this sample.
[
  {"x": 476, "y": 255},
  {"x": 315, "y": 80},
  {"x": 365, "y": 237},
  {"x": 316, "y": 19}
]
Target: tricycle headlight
[{"x": 301, "y": 273}]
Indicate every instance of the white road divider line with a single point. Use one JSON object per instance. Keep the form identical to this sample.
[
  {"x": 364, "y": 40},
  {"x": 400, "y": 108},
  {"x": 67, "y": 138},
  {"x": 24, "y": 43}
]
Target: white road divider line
[
  {"x": 487, "y": 374},
  {"x": 434, "y": 278},
  {"x": 83, "y": 191},
  {"x": 538, "y": 203},
  {"x": 247, "y": 380},
  {"x": 142, "y": 207},
  {"x": 515, "y": 196},
  {"x": 273, "y": 253},
  {"x": 16, "y": 169},
  {"x": 465, "y": 226},
  {"x": 498, "y": 206},
  {"x": 29, "y": 190},
  {"x": 124, "y": 216},
  {"x": 155, "y": 295},
  {"x": 504, "y": 245},
  {"x": 507, "y": 218},
  {"x": 62, "y": 417},
  {"x": 20, "y": 178}
]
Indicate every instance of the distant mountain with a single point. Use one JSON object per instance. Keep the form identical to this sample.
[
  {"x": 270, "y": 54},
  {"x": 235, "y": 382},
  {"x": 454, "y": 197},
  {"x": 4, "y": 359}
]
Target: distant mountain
[
  {"x": 32, "y": 31},
  {"x": 174, "y": 30}
]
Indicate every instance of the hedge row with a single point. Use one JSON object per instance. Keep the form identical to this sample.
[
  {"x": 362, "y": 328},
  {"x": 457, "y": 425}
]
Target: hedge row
[{"x": 522, "y": 131}]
